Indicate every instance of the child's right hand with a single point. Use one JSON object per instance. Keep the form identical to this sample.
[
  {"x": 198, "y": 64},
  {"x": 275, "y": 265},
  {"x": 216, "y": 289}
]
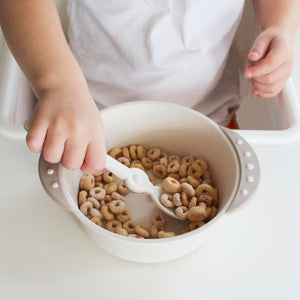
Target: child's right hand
[{"x": 66, "y": 126}]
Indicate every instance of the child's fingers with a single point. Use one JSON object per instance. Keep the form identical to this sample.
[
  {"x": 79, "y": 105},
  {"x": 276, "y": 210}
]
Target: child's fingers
[
  {"x": 273, "y": 59},
  {"x": 271, "y": 90},
  {"x": 54, "y": 146},
  {"x": 259, "y": 48},
  {"x": 73, "y": 155},
  {"x": 36, "y": 136},
  {"x": 95, "y": 158},
  {"x": 264, "y": 95}
]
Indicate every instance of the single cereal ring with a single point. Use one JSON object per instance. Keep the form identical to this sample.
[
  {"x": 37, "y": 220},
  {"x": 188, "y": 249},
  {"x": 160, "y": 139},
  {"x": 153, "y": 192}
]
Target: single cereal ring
[
  {"x": 152, "y": 179},
  {"x": 141, "y": 151},
  {"x": 88, "y": 182},
  {"x": 158, "y": 218},
  {"x": 85, "y": 207},
  {"x": 134, "y": 235},
  {"x": 213, "y": 213},
  {"x": 137, "y": 165},
  {"x": 82, "y": 181},
  {"x": 117, "y": 206},
  {"x": 99, "y": 184},
  {"x": 133, "y": 152},
  {"x": 208, "y": 212},
  {"x": 160, "y": 171},
  {"x": 94, "y": 201},
  {"x": 207, "y": 199},
  {"x": 204, "y": 189},
  {"x": 109, "y": 177},
  {"x": 174, "y": 157},
  {"x": 153, "y": 153},
  {"x": 202, "y": 163},
  {"x": 95, "y": 213},
  {"x": 88, "y": 216},
  {"x": 183, "y": 169},
  {"x": 107, "y": 214},
  {"x": 115, "y": 152},
  {"x": 129, "y": 226},
  {"x": 124, "y": 216},
  {"x": 173, "y": 166},
  {"x": 163, "y": 154},
  {"x": 181, "y": 212},
  {"x": 155, "y": 163},
  {"x": 164, "y": 161},
  {"x": 167, "y": 200},
  {"x": 177, "y": 199},
  {"x": 141, "y": 231},
  {"x": 188, "y": 159},
  {"x": 165, "y": 234},
  {"x": 98, "y": 193},
  {"x": 193, "y": 181},
  {"x": 110, "y": 188},
  {"x": 207, "y": 181},
  {"x": 117, "y": 196},
  {"x": 121, "y": 188},
  {"x": 184, "y": 198},
  {"x": 171, "y": 185},
  {"x": 195, "y": 224},
  {"x": 113, "y": 225},
  {"x": 96, "y": 220},
  {"x": 183, "y": 180},
  {"x": 186, "y": 187},
  {"x": 98, "y": 178},
  {"x": 174, "y": 175},
  {"x": 193, "y": 202},
  {"x": 197, "y": 213},
  {"x": 82, "y": 197},
  {"x": 121, "y": 231},
  {"x": 195, "y": 170},
  {"x": 126, "y": 154},
  {"x": 107, "y": 199},
  {"x": 155, "y": 229},
  {"x": 125, "y": 161},
  {"x": 147, "y": 163}
]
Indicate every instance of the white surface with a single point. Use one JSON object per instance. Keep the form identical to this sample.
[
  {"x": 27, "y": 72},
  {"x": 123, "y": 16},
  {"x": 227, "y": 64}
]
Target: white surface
[{"x": 253, "y": 254}]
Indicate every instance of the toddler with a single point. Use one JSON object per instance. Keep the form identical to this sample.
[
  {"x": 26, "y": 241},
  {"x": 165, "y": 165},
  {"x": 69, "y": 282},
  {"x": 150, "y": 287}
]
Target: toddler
[{"x": 167, "y": 50}]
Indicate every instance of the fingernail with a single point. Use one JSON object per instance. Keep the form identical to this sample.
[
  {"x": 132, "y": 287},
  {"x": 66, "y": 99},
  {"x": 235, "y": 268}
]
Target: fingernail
[
  {"x": 256, "y": 93},
  {"x": 253, "y": 53},
  {"x": 248, "y": 75}
]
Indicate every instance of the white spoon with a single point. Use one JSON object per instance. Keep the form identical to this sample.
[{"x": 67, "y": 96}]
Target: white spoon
[{"x": 136, "y": 180}]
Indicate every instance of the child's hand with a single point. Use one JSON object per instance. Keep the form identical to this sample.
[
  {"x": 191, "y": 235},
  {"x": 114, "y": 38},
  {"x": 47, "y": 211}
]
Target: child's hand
[
  {"x": 67, "y": 127},
  {"x": 272, "y": 53}
]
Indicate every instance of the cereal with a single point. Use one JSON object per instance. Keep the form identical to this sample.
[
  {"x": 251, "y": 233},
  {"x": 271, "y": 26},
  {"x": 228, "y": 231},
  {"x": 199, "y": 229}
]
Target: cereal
[
  {"x": 126, "y": 154},
  {"x": 121, "y": 188},
  {"x": 125, "y": 161},
  {"x": 94, "y": 201},
  {"x": 195, "y": 171},
  {"x": 113, "y": 225},
  {"x": 106, "y": 212},
  {"x": 186, "y": 187},
  {"x": 117, "y": 196},
  {"x": 160, "y": 171},
  {"x": 165, "y": 234},
  {"x": 193, "y": 202},
  {"x": 188, "y": 159},
  {"x": 171, "y": 185},
  {"x": 193, "y": 181},
  {"x": 117, "y": 206},
  {"x": 121, "y": 231},
  {"x": 124, "y": 216},
  {"x": 197, "y": 213},
  {"x": 85, "y": 207},
  {"x": 202, "y": 163},
  {"x": 147, "y": 163},
  {"x": 82, "y": 197},
  {"x": 173, "y": 166},
  {"x": 88, "y": 182},
  {"x": 95, "y": 213},
  {"x": 181, "y": 212},
  {"x": 141, "y": 231},
  {"x": 129, "y": 226},
  {"x": 98, "y": 178},
  {"x": 141, "y": 151},
  {"x": 98, "y": 193},
  {"x": 153, "y": 153},
  {"x": 164, "y": 162},
  {"x": 174, "y": 157},
  {"x": 177, "y": 199},
  {"x": 204, "y": 189},
  {"x": 115, "y": 152},
  {"x": 99, "y": 184},
  {"x": 137, "y": 165},
  {"x": 174, "y": 175},
  {"x": 183, "y": 169},
  {"x": 96, "y": 220},
  {"x": 195, "y": 224},
  {"x": 134, "y": 235},
  {"x": 133, "y": 152},
  {"x": 155, "y": 229},
  {"x": 158, "y": 218},
  {"x": 109, "y": 177},
  {"x": 107, "y": 199},
  {"x": 167, "y": 200},
  {"x": 110, "y": 188},
  {"x": 184, "y": 198},
  {"x": 207, "y": 199}
]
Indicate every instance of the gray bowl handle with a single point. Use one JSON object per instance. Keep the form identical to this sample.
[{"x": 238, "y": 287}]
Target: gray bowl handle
[
  {"x": 51, "y": 181},
  {"x": 249, "y": 170}
]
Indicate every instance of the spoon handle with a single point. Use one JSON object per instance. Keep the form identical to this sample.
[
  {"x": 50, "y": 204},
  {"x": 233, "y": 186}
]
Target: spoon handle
[{"x": 117, "y": 168}]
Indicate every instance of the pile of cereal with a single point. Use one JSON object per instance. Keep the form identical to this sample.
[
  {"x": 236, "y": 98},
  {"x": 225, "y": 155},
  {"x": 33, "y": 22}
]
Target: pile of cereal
[{"x": 186, "y": 182}]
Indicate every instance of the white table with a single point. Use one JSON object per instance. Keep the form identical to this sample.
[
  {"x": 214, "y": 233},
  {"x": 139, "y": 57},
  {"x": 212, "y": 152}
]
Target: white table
[{"x": 253, "y": 254}]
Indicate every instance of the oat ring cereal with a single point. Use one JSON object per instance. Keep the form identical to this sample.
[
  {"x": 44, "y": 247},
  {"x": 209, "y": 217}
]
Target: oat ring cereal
[
  {"x": 188, "y": 159},
  {"x": 197, "y": 213},
  {"x": 195, "y": 224},
  {"x": 174, "y": 157},
  {"x": 167, "y": 200},
  {"x": 117, "y": 196},
  {"x": 158, "y": 218},
  {"x": 153, "y": 153},
  {"x": 147, "y": 163},
  {"x": 193, "y": 181},
  {"x": 186, "y": 187},
  {"x": 171, "y": 185},
  {"x": 183, "y": 169},
  {"x": 155, "y": 229},
  {"x": 107, "y": 214},
  {"x": 133, "y": 152},
  {"x": 129, "y": 226},
  {"x": 141, "y": 231},
  {"x": 195, "y": 171},
  {"x": 165, "y": 234},
  {"x": 207, "y": 199},
  {"x": 174, "y": 175},
  {"x": 117, "y": 206},
  {"x": 82, "y": 197},
  {"x": 141, "y": 151},
  {"x": 202, "y": 163},
  {"x": 115, "y": 152},
  {"x": 164, "y": 162},
  {"x": 110, "y": 188},
  {"x": 85, "y": 207},
  {"x": 121, "y": 231},
  {"x": 126, "y": 153},
  {"x": 124, "y": 216},
  {"x": 193, "y": 202},
  {"x": 125, "y": 161},
  {"x": 204, "y": 189},
  {"x": 94, "y": 201},
  {"x": 121, "y": 188},
  {"x": 95, "y": 213},
  {"x": 109, "y": 177},
  {"x": 177, "y": 199},
  {"x": 113, "y": 224},
  {"x": 96, "y": 220},
  {"x": 182, "y": 212},
  {"x": 98, "y": 193},
  {"x": 173, "y": 166},
  {"x": 160, "y": 171},
  {"x": 88, "y": 182}
]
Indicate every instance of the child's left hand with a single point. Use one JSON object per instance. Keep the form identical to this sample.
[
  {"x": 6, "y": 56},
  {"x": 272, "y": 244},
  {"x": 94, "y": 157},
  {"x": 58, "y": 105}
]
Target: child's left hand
[{"x": 272, "y": 58}]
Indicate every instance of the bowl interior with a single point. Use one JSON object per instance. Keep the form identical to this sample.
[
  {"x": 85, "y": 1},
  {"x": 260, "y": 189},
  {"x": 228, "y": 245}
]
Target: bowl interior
[{"x": 176, "y": 130}]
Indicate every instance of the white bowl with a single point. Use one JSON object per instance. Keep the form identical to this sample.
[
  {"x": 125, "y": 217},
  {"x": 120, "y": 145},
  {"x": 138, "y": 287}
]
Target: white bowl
[{"x": 232, "y": 164}]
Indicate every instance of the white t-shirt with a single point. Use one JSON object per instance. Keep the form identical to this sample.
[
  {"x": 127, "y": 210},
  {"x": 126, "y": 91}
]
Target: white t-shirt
[{"x": 166, "y": 50}]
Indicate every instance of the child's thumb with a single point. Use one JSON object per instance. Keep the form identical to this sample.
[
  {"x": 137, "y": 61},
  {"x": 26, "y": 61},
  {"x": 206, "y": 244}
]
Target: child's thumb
[{"x": 259, "y": 48}]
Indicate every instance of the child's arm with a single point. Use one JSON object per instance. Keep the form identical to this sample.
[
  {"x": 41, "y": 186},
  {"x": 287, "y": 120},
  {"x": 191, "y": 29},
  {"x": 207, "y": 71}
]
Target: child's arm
[
  {"x": 272, "y": 50},
  {"x": 66, "y": 124}
]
